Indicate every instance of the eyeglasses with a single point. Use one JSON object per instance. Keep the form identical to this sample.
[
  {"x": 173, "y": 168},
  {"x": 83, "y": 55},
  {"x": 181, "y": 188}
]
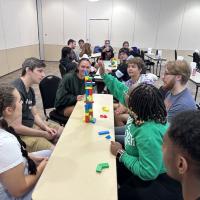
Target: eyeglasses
[
  {"x": 83, "y": 66},
  {"x": 168, "y": 73}
]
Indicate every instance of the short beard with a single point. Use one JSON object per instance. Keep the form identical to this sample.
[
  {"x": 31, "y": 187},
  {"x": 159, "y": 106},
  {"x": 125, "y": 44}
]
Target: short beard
[{"x": 170, "y": 85}]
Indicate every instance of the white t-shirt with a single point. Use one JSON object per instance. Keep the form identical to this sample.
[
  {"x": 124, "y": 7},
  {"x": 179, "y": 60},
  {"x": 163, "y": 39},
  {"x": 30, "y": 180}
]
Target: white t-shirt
[
  {"x": 10, "y": 152},
  {"x": 10, "y": 157}
]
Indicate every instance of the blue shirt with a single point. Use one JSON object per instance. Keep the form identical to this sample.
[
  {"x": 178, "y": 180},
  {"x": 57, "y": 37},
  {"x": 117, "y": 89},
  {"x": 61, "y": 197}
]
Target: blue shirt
[{"x": 179, "y": 103}]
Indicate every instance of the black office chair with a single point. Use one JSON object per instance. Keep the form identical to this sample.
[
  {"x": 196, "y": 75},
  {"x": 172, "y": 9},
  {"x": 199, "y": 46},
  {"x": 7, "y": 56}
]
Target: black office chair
[
  {"x": 196, "y": 59},
  {"x": 48, "y": 88},
  {"x": 62, "y": 70},
  {"x": 148, "y": 63},
  {"x": 175, "y": 54}
]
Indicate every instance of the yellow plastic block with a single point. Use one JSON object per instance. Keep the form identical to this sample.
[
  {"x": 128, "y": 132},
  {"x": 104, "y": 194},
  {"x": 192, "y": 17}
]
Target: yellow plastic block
[{"x": 105, "y": 108}]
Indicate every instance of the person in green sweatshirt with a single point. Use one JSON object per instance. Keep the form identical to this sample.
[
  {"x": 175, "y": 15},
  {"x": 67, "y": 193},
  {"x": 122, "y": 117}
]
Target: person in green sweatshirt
[
  {"x": 71, "y": 88},
  {"x": 140, "y": 168}
]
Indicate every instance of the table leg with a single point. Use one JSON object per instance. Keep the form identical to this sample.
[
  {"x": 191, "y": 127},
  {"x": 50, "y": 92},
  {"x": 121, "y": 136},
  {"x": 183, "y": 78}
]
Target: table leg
[
  {"x": 197, "y": 87},
  {"x": 160, "y": 68},
  {"x": 157, "y": 67}
]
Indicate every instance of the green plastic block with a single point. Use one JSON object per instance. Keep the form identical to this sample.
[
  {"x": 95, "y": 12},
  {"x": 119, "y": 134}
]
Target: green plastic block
[
  {"x": 104, "y": 165},
  {"x": 99, "y": 168}
]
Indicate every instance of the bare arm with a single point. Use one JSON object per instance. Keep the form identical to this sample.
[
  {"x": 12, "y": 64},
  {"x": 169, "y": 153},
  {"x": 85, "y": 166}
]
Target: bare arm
[
  {"x": 24, "y": 130},
  {"x": 39, "y": 122},
  {"x": 17, "y": 183},
  {"x": 37, "y": 119}
]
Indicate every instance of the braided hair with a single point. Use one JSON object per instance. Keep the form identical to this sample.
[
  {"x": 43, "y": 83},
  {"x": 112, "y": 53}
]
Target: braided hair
[
  {"x": 7, "y": 99},
  {"x": 146, "y": 103}
]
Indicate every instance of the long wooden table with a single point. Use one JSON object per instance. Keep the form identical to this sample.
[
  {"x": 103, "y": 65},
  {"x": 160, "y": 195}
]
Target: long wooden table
[{"x": 71, "y": 171}]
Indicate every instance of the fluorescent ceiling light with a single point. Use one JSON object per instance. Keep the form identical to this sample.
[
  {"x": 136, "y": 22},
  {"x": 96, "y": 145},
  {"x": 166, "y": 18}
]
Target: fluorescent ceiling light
[{"x": 93, "y": 0}]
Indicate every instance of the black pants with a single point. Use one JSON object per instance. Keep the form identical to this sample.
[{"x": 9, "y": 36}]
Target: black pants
[{"x": 133, "y": 188}]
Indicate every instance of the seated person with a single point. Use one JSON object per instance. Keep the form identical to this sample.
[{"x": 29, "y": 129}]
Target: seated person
[
  {"x": 107, "y": 51},
  {"x": 80, "y": 44},
  {"x": 71, "y": 89},
  {"x": 178, "y": 97},
  {"x": 86, "y": 50},
  {"x": 140, "y": 168},
  {"x": 72, "y": 44},
  {"x": 125, "y": 44},
  {"x": 181, "y": 151},
  {"x": 66, "y": 60},
  {"x": 37, "y": 134},
  {"x": 137, "y": 73},
  {"x": 19, "y": 171},
  {"x": 121, "y": 72}
]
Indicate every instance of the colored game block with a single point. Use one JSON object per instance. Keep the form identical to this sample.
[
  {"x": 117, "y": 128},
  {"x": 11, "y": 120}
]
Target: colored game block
[
  {"x": 105, "y": 108},
  {"x": 101, "y": 166},
  {"x": 103, "y": 116},
  {"x": 108, "y": 137},
  {"x": 104, "y": 165},
  {"x": 93, "y": 120},
  {"x": 103, "y": 132}
]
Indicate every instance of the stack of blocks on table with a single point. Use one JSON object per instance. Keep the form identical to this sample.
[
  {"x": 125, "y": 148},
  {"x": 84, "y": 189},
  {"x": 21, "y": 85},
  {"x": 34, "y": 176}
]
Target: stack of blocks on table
[{"x": 89, "y": 99}]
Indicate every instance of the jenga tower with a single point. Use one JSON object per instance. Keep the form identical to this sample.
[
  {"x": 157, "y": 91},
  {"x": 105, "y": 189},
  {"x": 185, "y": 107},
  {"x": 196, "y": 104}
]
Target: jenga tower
[{"x": 89, "y": 99}]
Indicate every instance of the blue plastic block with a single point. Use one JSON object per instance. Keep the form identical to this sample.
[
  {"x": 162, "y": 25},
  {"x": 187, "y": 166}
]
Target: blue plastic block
[
  {"x": 103, "y": 132},
  {"x": 108, "y": 137}
]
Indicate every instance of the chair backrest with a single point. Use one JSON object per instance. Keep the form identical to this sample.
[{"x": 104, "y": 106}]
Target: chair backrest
[
  {"x": 135, "y": 52},
  {"x": 97, "y": 49},
  {"x": 175, "y": 54},
  {"x": 48, "y": 88},
  {"x": 196, "y": 57},
  {"x": 142, "y": 54},
  {"x": 62, "y": 70}
]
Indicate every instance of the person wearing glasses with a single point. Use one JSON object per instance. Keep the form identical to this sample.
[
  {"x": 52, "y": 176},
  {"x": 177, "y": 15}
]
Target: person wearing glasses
[
  {"x": 178, "y": 97},
  {"x": 107, "y": 51},
  {"x": 71, "y": 88}
]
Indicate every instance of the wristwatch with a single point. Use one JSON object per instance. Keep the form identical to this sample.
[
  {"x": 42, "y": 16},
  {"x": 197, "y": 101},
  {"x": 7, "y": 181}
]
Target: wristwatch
[{"x": 120, "y": 152}]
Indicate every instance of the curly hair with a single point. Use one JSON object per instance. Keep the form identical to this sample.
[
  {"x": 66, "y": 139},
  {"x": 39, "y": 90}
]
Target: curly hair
[
  {"x": 184, "y": 132},
  {"x": 146, "y": 102}
]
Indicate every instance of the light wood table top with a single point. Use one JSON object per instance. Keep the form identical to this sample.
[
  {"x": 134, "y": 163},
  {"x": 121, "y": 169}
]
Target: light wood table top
[{"x": 71, "y": 171}]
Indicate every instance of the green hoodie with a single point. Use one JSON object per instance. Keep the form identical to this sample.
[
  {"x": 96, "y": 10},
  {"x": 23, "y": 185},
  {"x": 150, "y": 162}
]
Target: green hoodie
[
  {"x": 143, "y": 144},
  {"x": 69, "y": 88}
]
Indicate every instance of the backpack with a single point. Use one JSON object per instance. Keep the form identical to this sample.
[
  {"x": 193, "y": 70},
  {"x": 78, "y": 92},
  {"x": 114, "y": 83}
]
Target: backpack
[
  {"x": 97, "y": 49},
  {"x": 135, "y": 52}
]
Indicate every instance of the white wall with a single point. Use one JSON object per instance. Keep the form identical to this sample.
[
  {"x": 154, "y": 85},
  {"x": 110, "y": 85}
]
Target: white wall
[
  {"x": 18, "y": 23},
  {"x": 145, "y": 23},
  {"x": 18, "y": 33}
]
